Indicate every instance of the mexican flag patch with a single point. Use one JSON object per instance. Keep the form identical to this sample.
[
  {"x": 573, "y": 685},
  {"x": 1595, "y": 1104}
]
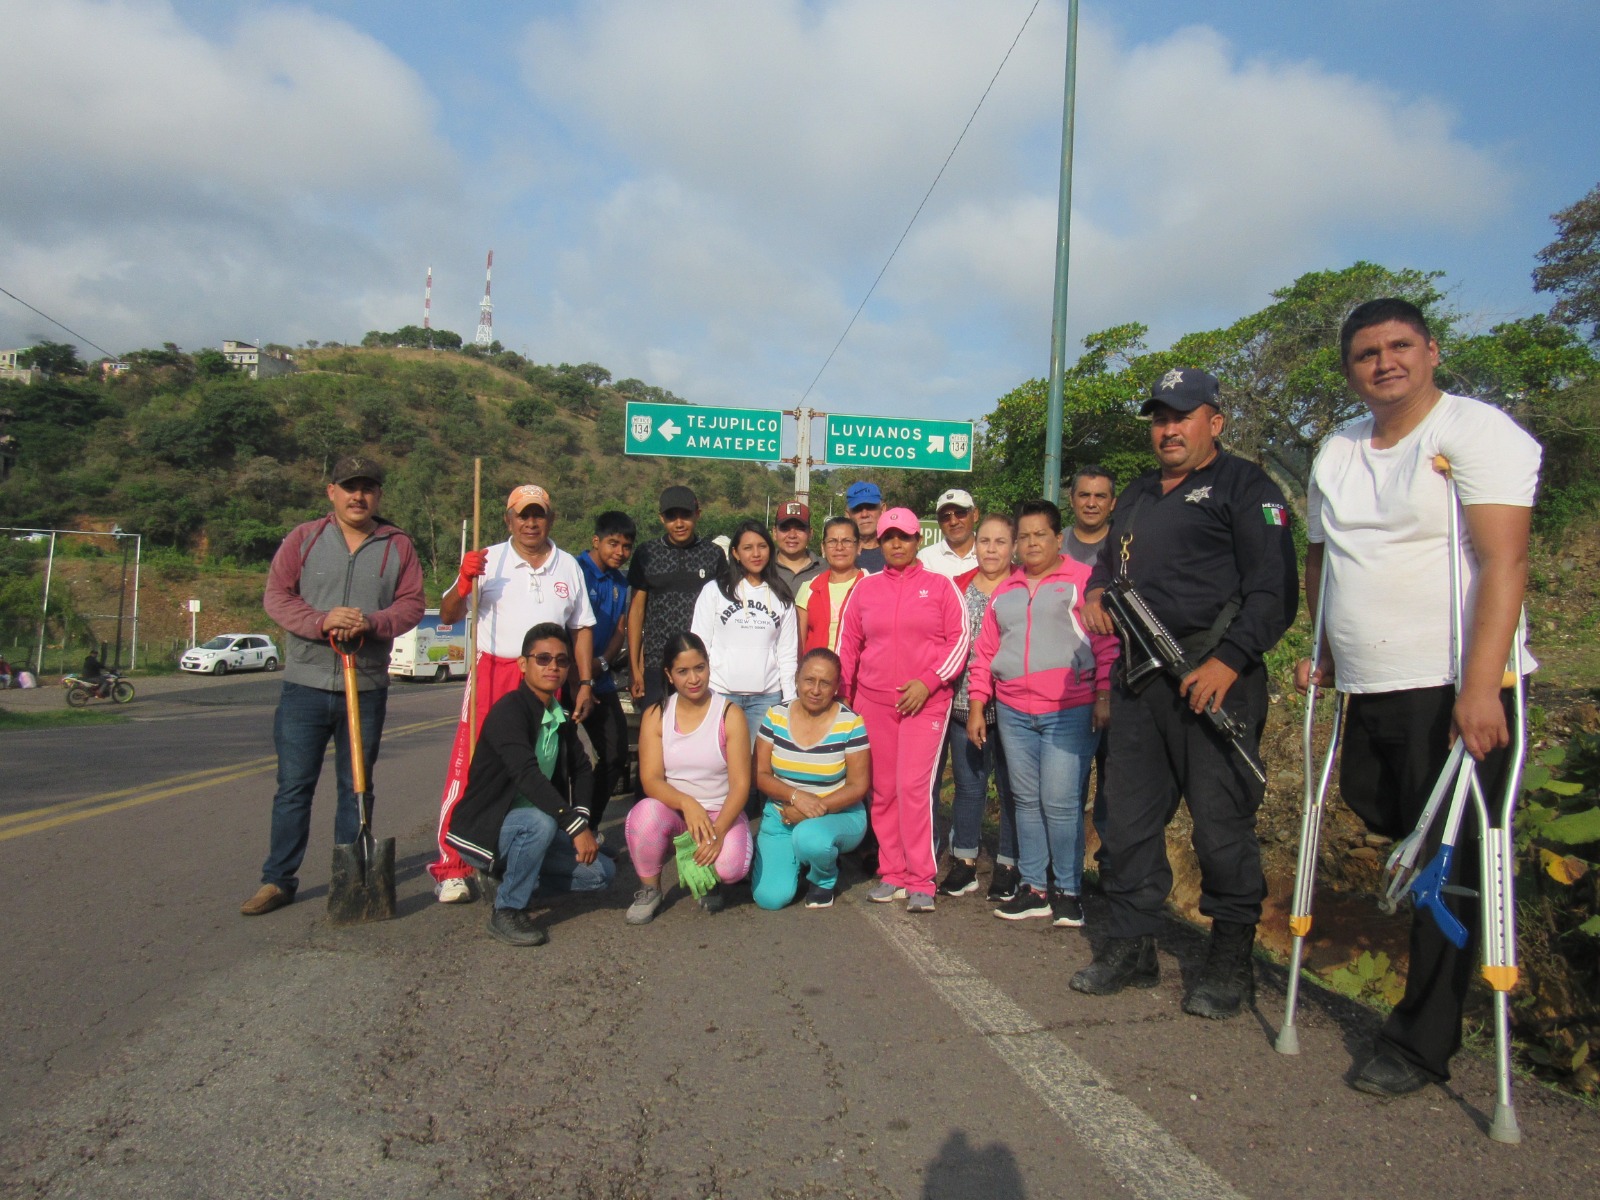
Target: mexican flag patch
[{"x": 1275, "y": 515}]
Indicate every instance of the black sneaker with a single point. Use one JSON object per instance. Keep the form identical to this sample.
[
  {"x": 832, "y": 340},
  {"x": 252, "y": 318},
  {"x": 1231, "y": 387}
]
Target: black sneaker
[
  {"x": 1066, "y": 909},
  {"x": 516, "y": 927},
  {"x": 961, "y": 879},
  {"x": 1028, "y": 902},
  {"x": 1005, "y": 881},
  {"x": 819, "y": 897}
]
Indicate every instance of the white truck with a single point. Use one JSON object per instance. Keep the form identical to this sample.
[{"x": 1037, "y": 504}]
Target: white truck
[{"x": 431, "y": 650}]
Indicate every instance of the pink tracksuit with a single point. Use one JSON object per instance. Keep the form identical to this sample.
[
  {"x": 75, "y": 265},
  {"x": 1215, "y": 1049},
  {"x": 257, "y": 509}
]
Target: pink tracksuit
[{"x": 901, "y": 625}]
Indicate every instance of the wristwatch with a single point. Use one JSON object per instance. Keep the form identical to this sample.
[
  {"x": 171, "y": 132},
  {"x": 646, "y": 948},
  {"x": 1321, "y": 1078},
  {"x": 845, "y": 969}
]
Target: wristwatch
[
  {"x": 601, "y": 666},
  {"x": 588, "y": 683}
]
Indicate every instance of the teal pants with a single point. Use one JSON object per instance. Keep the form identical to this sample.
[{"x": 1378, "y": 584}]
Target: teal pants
[{"x": 815, "y": 844}]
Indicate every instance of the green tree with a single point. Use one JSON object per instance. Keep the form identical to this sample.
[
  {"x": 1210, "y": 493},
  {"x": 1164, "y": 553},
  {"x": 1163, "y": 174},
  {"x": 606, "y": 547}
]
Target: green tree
[
  {"x": 1571, "y": 265},
  {"x": 54, "y": 358}
]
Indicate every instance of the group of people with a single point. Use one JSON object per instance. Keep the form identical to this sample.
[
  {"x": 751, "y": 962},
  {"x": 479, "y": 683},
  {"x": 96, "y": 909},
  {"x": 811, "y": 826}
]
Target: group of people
[
  {"x": 821, "y": 696},
  {"x": 16, "y": 677}
]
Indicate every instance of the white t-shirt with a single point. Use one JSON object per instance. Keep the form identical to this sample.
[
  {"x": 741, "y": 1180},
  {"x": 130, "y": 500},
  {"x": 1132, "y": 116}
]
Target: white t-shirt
[
  {"x": 514, "y": 597},
  {"x": 1381, "y": 516},
  {"x": 753, "y": 641},
  {"x": 939, "y": 558}
]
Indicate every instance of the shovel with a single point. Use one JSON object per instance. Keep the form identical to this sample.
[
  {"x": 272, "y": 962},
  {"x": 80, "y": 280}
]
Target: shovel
[{"x": 362, "y": 886}]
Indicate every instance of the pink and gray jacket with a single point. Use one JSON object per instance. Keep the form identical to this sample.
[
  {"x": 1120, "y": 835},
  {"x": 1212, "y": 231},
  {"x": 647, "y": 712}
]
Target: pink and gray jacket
[
  {"x": 898, "y": 625},
  {"x": 1033, "y": 653}
]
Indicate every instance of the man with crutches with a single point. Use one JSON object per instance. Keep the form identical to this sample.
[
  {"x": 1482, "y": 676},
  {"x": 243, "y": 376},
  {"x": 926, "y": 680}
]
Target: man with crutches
[{"x": 1381, "y": 513}]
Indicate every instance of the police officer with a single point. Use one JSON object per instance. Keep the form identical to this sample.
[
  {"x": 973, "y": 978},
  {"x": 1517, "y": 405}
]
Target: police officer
[{"x": 1205, "y": 541}]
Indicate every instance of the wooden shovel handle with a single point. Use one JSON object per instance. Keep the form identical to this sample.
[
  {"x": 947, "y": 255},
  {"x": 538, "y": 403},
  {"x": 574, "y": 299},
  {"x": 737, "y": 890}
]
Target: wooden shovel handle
[{"x": 346, "y": 650}]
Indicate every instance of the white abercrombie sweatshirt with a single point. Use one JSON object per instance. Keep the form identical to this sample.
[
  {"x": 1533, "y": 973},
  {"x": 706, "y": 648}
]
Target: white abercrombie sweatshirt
[{"x": 753, "y": 641}]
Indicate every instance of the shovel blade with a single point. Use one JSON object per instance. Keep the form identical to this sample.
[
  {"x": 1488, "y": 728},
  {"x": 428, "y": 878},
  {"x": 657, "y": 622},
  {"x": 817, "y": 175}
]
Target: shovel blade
[{"x": 362, "y": 886}]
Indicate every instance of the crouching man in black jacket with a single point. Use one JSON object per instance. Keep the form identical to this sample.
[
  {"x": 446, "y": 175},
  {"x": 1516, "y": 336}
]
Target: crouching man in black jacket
[{"x": 524, "y": 815}]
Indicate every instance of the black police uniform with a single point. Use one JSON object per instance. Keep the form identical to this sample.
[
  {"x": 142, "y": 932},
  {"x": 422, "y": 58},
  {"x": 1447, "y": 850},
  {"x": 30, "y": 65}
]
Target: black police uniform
[{"x": 1214, "y": 560}]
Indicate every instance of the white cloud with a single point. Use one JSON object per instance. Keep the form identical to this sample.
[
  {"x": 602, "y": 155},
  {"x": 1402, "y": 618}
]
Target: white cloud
[
  {"x": 161, "y": 185},
  {"x": 796, "y": 139}
]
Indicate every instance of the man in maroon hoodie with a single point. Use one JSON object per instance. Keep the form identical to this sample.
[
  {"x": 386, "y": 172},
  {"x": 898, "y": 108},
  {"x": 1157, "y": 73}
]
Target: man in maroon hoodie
[{"x": 352, "y": 575}]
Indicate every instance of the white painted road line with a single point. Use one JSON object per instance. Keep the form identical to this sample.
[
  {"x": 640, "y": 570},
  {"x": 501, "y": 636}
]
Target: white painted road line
[{"x": 1136, "y": 1151}]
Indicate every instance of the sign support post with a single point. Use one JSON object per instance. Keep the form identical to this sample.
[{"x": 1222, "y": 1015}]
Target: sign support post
[{"x": 1058, "y": 324}]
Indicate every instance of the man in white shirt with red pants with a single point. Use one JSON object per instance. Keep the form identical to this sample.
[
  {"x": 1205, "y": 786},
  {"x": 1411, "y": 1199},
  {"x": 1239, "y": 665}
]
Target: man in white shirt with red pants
[
  {"x": 525, "y": 580},
  {"x": 1376, "y": 513}
]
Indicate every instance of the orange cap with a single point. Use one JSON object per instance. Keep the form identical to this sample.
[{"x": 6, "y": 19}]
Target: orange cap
[{"x": 529, "y": 493}]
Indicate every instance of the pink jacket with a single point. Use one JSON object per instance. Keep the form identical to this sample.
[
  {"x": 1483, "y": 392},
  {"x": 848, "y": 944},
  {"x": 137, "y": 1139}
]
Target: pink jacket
[
  {"x": 1033, "y": 652},
  {"x": 900, "y": 625}
]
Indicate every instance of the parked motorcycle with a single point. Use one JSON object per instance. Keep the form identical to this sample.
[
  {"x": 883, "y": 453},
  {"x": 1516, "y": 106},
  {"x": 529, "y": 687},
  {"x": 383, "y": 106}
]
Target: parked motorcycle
[{"x": 112, "y": 686}]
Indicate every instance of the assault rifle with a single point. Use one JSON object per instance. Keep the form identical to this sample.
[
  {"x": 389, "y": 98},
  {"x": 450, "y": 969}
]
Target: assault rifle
[{"x": 1149, "y": 649}]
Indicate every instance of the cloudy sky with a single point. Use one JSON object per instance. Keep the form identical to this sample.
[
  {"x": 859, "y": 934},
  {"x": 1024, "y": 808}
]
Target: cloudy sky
[{"x": 700, "y": 192}]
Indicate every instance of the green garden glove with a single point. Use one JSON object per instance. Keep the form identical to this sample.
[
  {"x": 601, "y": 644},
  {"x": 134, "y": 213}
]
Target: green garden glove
[{"x": 699, "y": 880}]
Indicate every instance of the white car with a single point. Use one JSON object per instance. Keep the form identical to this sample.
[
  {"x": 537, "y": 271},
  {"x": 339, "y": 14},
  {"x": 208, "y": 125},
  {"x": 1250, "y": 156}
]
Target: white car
[{"x": 232, "y": 652}]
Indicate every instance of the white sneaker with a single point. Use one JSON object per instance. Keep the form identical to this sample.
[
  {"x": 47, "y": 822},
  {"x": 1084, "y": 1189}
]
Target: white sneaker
[{"x": 453, "y": 891}]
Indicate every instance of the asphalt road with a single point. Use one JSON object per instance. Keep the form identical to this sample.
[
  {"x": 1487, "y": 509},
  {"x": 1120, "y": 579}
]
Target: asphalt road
[{"x": 158, "y": 1044}]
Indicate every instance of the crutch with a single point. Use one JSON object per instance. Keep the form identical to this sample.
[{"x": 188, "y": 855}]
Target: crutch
[
  {"x": 1459, "y": 778},
  {"x": 1316, "y": 796}
]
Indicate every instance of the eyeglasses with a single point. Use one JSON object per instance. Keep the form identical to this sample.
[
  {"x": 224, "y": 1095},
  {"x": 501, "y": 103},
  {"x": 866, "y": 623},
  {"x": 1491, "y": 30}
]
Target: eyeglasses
[
  {"x": 953, "y": 514},
  {"x": 841, "y": 543},
  {"x": 545, "y": 660}
]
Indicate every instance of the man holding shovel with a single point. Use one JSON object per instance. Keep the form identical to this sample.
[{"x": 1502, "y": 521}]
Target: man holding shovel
[{"x": 351, "y": 575}]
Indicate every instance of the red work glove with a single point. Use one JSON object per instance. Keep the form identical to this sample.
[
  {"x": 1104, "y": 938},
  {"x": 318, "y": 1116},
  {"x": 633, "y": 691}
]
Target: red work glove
[{"x": 473, "y": 565}]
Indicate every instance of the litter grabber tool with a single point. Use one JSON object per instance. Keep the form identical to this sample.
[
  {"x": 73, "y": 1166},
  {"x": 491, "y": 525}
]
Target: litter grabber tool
[
  {"x": 1317, "y": 779},
  {"x": 1459, "y": 779},
  {"x": 362, "y": 884},
  {"x": 699, "y": 880}
]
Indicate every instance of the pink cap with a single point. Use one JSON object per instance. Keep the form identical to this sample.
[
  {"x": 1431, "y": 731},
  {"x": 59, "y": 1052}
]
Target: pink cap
[{"x": 901, "y": 520}]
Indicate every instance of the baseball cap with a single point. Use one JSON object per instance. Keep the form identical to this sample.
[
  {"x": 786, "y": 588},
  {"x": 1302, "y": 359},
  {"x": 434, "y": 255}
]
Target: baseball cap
[
  {"x": 794, "y": 511},
  {"x": 956, "y": 498},
  {"x": 526, "y": 494},
  {"x": 861, "y": 492},
  {"x": 1182, "y": 389},
  {"x": 357, "y": 466},
  {"x": 678, "y": 496},
  {"x": 902, "y": 520}
]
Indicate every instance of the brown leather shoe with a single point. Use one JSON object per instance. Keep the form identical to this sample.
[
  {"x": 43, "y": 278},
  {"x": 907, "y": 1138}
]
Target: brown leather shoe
[{"x": 267, "y": 899}]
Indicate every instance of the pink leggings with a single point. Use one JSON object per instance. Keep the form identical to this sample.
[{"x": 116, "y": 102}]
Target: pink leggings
[{"x": 652, "y": 826}]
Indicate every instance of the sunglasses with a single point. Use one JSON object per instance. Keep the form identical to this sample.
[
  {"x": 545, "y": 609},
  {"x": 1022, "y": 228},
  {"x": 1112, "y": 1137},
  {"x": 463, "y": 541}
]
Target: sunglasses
[{"x": 545, "y": 660}]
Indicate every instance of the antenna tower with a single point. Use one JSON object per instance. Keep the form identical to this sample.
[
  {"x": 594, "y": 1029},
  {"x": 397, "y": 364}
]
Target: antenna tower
[
  {"x": 427, "y": 307},
  {"x": 486, "y": 310}
]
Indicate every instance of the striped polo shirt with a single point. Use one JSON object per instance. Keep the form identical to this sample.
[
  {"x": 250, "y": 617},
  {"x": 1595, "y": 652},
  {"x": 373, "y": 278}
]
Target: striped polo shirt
[{"x": 820, "y": 769}]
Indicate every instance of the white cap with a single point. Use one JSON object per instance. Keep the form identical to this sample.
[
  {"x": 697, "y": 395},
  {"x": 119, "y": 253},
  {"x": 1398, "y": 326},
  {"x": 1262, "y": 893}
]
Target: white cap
[{"x": 956, "y": 497}]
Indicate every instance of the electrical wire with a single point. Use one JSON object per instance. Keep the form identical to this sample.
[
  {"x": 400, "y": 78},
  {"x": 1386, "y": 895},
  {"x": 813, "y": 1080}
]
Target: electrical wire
[
  {"x": 56, "y": 323},
  {"x": 862, "y": 306}
]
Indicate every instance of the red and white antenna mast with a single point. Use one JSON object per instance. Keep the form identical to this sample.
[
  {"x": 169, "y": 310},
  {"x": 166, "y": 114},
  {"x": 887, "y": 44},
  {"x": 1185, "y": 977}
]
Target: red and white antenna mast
[
  {"x": 427, "y": 307},
  {"x": 486, "y": 310}
]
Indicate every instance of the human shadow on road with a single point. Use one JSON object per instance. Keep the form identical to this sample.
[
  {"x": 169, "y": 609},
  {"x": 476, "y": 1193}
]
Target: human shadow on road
[{"x": 961, "y": 1171}]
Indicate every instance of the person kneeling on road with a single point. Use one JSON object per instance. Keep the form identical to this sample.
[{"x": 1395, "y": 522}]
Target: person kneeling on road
[
  {"x": 524, "y": 814},
  {"x": 813, "y": 765}
]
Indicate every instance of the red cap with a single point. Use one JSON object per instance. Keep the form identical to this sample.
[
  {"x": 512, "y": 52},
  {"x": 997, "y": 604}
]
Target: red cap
[{"x": 794, "y": 511}]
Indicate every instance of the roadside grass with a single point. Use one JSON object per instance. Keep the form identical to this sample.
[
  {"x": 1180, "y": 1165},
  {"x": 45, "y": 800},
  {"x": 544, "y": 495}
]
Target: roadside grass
[{"x": 11, "y": 720}]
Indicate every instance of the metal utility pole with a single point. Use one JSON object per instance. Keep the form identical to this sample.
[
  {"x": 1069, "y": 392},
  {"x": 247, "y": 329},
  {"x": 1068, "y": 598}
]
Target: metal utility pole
[
  {"x": 44, "y": 607},
  {"x": 1058, "y": 326},
  {"x": 122, "y": 595},
  {"x": 802, "y": 455}
]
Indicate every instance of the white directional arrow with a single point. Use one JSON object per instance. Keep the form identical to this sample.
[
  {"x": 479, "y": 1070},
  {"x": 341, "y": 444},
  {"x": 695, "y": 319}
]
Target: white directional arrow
[{"x": 668, "y": 429}]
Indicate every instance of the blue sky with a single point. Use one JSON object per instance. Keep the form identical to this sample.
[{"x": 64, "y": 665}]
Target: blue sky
[{"x": 699, "y": 192}]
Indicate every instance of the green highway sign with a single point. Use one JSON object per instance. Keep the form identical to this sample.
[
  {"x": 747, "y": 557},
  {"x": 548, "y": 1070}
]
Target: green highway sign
[
  {"x": 899, "y": 442},
  {"x": 690, "y": 431}
]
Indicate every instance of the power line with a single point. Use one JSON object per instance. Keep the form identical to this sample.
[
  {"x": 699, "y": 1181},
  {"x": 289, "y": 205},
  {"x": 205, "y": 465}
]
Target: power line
[
  {"x": 57, "y": 323},
  {"x": 926, "y": 195}
]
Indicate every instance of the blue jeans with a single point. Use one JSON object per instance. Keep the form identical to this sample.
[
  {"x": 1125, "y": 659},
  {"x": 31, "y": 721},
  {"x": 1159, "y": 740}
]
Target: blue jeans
[
  {"x": 971, "y": 769},
  {"x": 1047, "y": 754},
  {"x": 755, "y": 705},
  {"x": 815, "y": 843},
  {"x": 306, "y": 718},
  {"x": 541, "y": 858}
]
